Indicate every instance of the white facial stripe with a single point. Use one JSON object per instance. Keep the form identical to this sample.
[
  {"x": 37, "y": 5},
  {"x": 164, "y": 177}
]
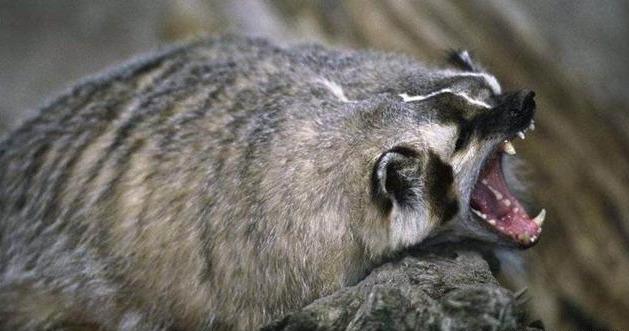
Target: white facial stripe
[
  {"x": 479, "y": 103},
  {"x": 491, "y": 80},
  {"x": 335, "y": 88},
  {"x": 439, "y": 137}
]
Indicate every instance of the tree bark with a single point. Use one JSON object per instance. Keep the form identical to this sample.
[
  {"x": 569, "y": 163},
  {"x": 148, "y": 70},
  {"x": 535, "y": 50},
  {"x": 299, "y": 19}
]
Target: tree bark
[{"x": 447, "y": 290}]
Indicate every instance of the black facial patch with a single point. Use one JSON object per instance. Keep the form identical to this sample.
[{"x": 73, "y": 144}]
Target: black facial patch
[
  {"x": 513, "y": 112},
  {"x": 466, "y": 129},
  {"x": 440, "y": 192},
  {"x": 455, "y": 112}
]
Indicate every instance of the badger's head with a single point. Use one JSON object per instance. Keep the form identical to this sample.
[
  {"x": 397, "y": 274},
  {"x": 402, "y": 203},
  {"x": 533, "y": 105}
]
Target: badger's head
[{"x": 443, "y": 175}]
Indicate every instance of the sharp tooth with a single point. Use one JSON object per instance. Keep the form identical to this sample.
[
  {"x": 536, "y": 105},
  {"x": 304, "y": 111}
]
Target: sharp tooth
[
  {"x": 508, "y": 147},
  {"x": 521, "y": 135},
  {"x": 493, "y": 222},
  {"x": 539, "y": 219},
  {"x": 479, "y": 214},
  {"x": 532, "y": 126},
  {"x": 497, "y": 194}
]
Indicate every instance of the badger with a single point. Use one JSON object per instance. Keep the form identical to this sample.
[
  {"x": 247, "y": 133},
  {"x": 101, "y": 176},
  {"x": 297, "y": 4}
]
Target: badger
[{"x": 222, "y": 183}]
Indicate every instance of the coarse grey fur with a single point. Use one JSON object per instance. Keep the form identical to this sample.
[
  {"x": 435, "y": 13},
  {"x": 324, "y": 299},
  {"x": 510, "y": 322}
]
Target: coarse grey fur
[{"x": 223, "y": 183}]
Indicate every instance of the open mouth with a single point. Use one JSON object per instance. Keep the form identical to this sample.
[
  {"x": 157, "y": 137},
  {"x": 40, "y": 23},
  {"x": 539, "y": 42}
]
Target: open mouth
[{"x": 493, "y": 202}]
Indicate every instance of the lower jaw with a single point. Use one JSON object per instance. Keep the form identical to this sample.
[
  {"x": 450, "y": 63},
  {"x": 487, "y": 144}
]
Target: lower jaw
[
  {"x": 502, "y": 239},
  {"x": 499, "y": 211}
]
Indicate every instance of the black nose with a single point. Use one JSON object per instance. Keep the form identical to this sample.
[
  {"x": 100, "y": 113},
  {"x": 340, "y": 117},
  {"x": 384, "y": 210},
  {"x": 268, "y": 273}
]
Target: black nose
[
  {"x": 518, "y": 103},
  {"x": 526, "y": 101},
  {"x": 516, "y": 110}
]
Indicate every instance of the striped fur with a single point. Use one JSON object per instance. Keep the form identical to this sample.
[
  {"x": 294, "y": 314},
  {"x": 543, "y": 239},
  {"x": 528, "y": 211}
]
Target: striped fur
[{"x": 223, "y": 183}]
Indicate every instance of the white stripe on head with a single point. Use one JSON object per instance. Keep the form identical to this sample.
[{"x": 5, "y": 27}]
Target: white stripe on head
[
  {"x": 489, "y": 79},
  {"x": 407, "y": 98}
]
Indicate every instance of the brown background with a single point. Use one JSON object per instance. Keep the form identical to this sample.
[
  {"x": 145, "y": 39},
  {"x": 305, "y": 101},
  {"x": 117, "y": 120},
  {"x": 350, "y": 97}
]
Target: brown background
[{"x": 572, "y": 53}]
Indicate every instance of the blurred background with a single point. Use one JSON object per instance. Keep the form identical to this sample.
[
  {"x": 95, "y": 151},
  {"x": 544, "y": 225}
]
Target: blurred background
[{"x": 572, "y": 53}]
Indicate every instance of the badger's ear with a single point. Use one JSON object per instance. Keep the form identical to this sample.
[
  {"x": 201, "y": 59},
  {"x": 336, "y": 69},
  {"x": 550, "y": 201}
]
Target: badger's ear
[
  {"x": 396, "y": 178},
  {"x": 408, "y": 180},
  {"x": 463, "y": 60}
]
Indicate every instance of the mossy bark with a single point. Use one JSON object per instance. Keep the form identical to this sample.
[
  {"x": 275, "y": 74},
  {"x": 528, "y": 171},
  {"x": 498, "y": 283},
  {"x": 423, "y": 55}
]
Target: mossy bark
[{"x": 446, "y": 290}]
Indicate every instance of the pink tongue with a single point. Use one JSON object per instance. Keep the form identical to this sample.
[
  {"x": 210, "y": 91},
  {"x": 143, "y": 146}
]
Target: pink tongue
[{"x": 492, "y": 197}]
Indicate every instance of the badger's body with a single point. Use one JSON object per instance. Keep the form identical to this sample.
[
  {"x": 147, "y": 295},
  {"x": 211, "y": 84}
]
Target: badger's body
[{"x": 224, "y": 183}]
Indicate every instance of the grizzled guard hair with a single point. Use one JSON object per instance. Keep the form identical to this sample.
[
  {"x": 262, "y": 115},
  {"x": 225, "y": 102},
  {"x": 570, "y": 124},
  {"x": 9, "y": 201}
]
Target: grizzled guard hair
[{"x": 223, "y": 183}]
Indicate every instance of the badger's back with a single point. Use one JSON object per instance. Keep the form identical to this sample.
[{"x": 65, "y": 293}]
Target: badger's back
[{"x": 139, "y": 198}]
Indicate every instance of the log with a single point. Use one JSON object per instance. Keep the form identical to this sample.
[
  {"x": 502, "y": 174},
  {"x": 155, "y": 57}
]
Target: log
[{"x": 448, "y": 289}]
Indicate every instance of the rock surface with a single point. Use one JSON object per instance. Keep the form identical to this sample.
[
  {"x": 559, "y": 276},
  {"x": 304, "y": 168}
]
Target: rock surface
[{"x": 426, "y": 291}]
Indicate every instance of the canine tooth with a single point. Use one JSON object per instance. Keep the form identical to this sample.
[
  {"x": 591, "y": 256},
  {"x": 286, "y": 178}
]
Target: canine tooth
[
  {"x": 506, "y": 202},
  {"x": 539, "y": 219},
  {"x": 532, "y": 126},
  {"x": 492, "y": 222},
  {"x": 497, "y": 194},
  {"x": 500, "y": 227},
  {"x": 521, "y": 135},
  {"x": 479, "y": 214},
  {"x": 508, "y": 147}
]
